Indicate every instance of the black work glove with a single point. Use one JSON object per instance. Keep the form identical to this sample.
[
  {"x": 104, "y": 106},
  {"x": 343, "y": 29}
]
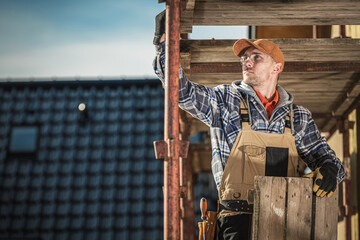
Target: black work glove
[
  {"x": 325, "y": 179},
  {"x": 159, "y": 26}
]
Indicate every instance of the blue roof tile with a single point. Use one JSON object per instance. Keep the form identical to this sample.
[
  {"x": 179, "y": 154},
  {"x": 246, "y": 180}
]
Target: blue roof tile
[
  {"x": 61, "y": 224},
  {"x": 49, "y": 195},
  {"x": 137, "y": 180},
  {"x": 79, "y": 181},
  {"x": 47, "y": 222},
  {"x": 136, "y": 222},
  {"x": 32, "y": 223},
  {"x": 48, "y": 209},
  {"x": 91, "y": 222},
  {"x": 55, "y": 142},
  {"x": 19, "y": 209},
  {"x": 137, "y": 234},
  {"x": 80, "y": 168},
  {"x": 122, "y": 208},
  {"x": 122, "y": 195},
  {"x": 106, "y": 222},
  {"x": 34, "y": 210},
  {"x": 91, "y": 235},
  {"x": 107, "y": 194},
  {"x": 35, "y": 195},
  {"x": 17, "y": 224},
  {"x": 78, "y": 194},
  {"x": 63, "y": 195},
  {"x": 76, "y": 223},
  {"x": 106, "y": 234},
  {"x": 76, "y": 234},
  {"x": 93, "y": 195},
  {"x": 64, "y": 181}
]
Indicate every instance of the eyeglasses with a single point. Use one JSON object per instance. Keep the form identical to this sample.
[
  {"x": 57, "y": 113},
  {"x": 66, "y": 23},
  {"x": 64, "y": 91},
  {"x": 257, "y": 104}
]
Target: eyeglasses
[{"x": 254, "y": 58}]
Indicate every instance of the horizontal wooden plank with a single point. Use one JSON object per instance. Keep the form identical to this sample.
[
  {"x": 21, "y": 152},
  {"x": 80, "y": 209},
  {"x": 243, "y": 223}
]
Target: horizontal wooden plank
[
  {"x": 293, "y": 43},
  {"x": 326, "y": 78},
  {"x": 293, "y": 49},
  {"x": 274, "y": 1},
  {"x": 276, "y": 13},
  {"x": 289, "y": 67},
  {"x": 251, "y": 7}
]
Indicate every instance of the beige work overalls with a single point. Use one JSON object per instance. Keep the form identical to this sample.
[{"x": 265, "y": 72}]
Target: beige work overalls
[{"x": 255, "y": 153}]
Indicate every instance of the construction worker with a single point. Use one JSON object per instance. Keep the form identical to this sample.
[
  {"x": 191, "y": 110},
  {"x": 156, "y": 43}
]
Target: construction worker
[{"x": 255, "y": 130}]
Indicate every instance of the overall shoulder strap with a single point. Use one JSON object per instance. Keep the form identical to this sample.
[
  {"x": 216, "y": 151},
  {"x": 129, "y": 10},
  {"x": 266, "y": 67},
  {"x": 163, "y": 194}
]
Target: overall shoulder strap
[
  {"x": 289, "y": 121},
  {"x": 245, "y": 115}
]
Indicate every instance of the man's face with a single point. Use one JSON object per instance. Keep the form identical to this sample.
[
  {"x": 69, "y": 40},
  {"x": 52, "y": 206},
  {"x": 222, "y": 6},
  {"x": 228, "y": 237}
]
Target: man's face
[{"x": 257, "y": 67}]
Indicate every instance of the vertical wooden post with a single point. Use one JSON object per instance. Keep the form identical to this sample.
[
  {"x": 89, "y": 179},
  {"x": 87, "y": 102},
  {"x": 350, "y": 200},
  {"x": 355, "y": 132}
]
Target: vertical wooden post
[
  {"x": 187, "y": 202},
  {"x": 347, "y": 181},
  {"x": 358, "y": 163}
]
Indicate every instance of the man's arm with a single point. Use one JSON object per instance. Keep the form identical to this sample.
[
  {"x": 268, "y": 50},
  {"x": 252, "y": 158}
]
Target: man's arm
[
  {"x": 317, "y": 154},
  {"x": 198, "y": 100}
]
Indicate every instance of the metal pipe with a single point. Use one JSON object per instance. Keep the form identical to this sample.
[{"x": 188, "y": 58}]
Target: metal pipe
[{"x": 171, "y": 122}]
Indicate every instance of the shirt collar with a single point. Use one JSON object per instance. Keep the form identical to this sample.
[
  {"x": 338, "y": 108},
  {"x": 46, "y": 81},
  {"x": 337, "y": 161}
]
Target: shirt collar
[{"x": 265, "y": 102}]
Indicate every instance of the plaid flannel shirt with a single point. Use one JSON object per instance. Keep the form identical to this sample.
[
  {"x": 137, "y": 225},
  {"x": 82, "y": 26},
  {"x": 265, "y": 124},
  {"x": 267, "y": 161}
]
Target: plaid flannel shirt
[{"x": 219, "y": 108}]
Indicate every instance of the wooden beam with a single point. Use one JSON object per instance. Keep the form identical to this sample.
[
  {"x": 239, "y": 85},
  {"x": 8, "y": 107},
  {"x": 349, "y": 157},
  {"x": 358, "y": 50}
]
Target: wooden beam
[
  {"x": 349, "y": 101},
  {"x": 187, "y": 17},
  {"x": 276, "y": 12},
  {"x": 235, "y": 67},
  {"x": 323, "y": 115},
  {"x": 303, "y": 50}
]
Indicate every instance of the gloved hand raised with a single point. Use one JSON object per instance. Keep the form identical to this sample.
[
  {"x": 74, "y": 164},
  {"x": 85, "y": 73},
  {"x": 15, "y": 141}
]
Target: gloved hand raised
[
  {"x": 325, "y": 179},
  {"x": 159, "y": 27}
]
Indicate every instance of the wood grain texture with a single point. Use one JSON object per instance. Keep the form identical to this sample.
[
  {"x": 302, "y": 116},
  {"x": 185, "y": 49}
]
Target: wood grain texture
[
  {"x": 219, "y": 12},
  {"x": 207, "y": 51},
  {"x": 272, "y": 208},
  {"x": 299, "y": 202},
  {"x": 326, "y": 216},
  {"x": 283, "y": 209}
]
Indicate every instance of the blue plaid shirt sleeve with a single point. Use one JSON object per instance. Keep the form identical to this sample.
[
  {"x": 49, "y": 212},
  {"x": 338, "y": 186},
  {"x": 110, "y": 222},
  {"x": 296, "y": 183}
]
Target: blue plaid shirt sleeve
[
  {"x": 312, "y": 147},
  {"x": 198, "y": 100}
]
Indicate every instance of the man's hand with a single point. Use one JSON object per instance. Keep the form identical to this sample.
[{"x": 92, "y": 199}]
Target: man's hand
[
  {"x": 159, "y": 27},
  {"x": 325, "y": 179}
]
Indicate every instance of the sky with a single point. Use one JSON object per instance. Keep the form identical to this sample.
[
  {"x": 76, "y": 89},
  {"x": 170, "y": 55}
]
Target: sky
[{"x": 84, "y": 38}]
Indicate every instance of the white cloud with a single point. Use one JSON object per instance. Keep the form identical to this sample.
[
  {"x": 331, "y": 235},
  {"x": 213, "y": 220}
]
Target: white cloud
[{"x": 125, "y": 58}]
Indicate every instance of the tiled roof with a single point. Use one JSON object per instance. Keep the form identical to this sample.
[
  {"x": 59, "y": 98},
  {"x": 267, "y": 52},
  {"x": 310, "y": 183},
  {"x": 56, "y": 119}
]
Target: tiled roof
[{"x": 93, "y": 177}]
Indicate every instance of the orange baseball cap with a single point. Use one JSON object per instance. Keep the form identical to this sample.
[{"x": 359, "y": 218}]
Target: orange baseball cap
[{"x": 265, "y": 46}]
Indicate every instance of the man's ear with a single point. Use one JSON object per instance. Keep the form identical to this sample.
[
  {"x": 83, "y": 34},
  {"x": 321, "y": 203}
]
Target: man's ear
[{"x": 277, "y": 68}]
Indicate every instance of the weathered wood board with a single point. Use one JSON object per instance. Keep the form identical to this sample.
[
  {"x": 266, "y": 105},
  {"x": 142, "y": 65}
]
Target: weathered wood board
[
  {"x": 286, "y": 208},
  {"x": 276, "y": 12}
]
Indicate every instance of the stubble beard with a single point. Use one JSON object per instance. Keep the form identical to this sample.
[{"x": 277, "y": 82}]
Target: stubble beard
[{"x": 253, "y": 81}]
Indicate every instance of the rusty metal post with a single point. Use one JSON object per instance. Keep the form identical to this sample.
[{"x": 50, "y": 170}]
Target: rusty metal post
[{"x": 171, "y": 122}]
